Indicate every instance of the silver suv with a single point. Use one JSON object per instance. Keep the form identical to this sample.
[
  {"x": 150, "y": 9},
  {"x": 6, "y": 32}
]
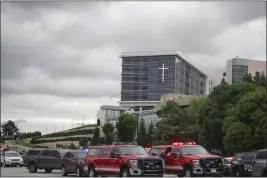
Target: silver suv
[{"x": 259, "y": 164}]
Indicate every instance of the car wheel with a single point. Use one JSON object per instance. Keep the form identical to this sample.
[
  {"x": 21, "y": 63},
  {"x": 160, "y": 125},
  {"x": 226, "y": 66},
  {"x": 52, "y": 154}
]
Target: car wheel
[
  {"x": 63, "y": 171},
  {"x": 21, "y": 165},
  {"x": 125, "y": 172},
  {"x": 32, "y": 168},
  {"x": 188, "y": 172},
  {"x": 91, "y": 172},
  {"x": 78, "y": 172},
  {"x": 48, "y": 170},
  {"x": 236, "y": 172}
]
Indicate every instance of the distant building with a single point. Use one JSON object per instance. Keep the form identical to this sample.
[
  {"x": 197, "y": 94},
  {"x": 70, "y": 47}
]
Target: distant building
[
  {"x": 149, "y": 116},
  {"x": 109, "y": 114},
  {"x": 209, "y": 84},
  {"x": 237, "y": 67},
  {"x": 146, "y": 76}
]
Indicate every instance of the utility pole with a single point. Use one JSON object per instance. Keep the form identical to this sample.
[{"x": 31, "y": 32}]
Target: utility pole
[
  {"x": 45, "y": 131},
  {"x": 83, "y": 120},
  {"x": 54, "y": 129}
]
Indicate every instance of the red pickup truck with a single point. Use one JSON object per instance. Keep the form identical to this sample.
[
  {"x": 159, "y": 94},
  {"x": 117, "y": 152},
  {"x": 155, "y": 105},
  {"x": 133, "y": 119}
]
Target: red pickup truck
[
  {"x": 189, "y": 159},
  {"x": 123, "y": 160}
]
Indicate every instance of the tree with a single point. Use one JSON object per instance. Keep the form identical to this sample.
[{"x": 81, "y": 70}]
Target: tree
[
  {"x": 9, "y": 128},
  {"x": 250, "y": 111},
  {"x": 108, "y": 129},
  {"x": 237, "y": 138},
  {"x": 83, "y": 141},
  {"x": 174, "y": 123},
  {"x": 223, "y": 82},
  {"x": 98, "y": 122},
  {"x": 213, "y": 112},
  {"x": 126, "y": 127},
  {"x": 95, "y": 139},
  {"x": 150, "y": 134},
  {"x": 142, "y": 134}
]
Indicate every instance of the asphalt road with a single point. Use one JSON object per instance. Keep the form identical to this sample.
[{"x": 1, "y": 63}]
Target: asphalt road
[{"x": 23, "y": 172}]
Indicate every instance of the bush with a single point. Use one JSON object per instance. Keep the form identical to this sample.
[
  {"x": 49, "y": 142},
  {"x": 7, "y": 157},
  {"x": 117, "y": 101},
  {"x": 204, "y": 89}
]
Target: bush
[{"x": 66, "y": 146}]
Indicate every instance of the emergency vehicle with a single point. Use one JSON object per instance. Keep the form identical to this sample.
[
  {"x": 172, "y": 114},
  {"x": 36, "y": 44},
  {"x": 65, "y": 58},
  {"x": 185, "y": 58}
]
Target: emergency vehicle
[
  {"x": 188, "y": 159},
  {"x": 121, "y": 159}
]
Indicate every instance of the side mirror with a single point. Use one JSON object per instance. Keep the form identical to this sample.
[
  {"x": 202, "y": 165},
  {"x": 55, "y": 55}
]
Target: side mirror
[{"x": 114, "y": 155}]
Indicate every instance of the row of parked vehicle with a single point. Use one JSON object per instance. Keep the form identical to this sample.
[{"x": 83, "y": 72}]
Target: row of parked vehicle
[
  {"x": 125, "y": 160},
  {"x": 247, "y": 164}
]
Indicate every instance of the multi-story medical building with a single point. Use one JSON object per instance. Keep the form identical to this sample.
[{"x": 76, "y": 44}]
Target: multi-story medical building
[
  {"x": 146, "y": 76},
  {"x": 237, "y": 67}
]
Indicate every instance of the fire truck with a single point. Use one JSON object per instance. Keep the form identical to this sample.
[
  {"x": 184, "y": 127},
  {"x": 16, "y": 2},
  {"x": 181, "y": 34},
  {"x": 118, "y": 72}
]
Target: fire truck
[
  {"x": 122, "y": 159},
  {"x": 188, "y": 159}
]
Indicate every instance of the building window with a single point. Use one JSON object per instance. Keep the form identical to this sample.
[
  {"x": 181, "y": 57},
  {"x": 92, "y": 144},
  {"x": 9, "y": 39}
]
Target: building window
[
  {"x": 135, "y": 87},
  {"x": 144, "y": 87},
  {"x": 136, "y": 78},
  {"x": 144, "y": 97}
]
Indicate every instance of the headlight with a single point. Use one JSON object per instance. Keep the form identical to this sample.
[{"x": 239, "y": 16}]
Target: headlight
[
  {"x": 196, "y": 163},
  {"x": 7, "y": 159},
  {"x": 133, "y": 163}
]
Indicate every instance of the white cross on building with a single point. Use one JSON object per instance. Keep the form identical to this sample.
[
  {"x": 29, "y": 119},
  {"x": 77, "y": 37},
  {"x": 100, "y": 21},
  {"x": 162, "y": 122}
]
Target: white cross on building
[{"x": 162, "y": 71}]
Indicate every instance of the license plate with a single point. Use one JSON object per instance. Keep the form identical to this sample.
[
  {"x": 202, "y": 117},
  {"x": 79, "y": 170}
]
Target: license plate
[{"x": 213, "y": 170}]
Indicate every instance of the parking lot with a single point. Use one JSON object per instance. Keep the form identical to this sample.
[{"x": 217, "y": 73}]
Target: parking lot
[{"x": 23, "y": 172}]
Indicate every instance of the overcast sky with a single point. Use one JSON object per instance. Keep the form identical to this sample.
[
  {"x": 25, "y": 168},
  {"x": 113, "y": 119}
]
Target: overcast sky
[{"x": 60, "y": 61}]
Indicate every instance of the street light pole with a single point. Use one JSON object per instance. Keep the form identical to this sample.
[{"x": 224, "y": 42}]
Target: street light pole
[
  {"x": 54, "y": 129},
  {"x": 83, "y": 120}
]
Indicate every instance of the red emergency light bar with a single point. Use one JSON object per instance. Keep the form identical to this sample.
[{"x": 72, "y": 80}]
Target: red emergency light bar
[{"x": 183, "y": 143}]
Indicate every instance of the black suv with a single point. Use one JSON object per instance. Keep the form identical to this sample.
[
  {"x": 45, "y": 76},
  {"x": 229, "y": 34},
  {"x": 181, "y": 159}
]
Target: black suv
[{"x": 47, "y": 159}]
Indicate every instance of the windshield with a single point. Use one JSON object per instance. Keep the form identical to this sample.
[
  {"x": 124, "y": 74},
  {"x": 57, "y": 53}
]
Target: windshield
[
  {"x": 12, "y": 155},
  {"x": 81, "y": 155},
  {"x": 190, "y": 150},
  {"x": 133, "y": 150}
]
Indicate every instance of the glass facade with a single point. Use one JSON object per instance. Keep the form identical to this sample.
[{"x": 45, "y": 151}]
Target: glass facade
[
  {"x": 110, "y": 115},
  {"x": 149, "y": 117},
  {"x": 238, "y": 72},
  {"x": 144, "y": 79}
]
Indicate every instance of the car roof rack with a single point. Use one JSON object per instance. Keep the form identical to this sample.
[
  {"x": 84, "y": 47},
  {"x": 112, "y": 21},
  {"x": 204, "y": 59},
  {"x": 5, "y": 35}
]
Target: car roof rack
[{"x": 124, "y": 143}]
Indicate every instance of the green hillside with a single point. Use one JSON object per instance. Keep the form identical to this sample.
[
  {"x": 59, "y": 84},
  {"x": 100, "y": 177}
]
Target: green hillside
[{"x": 70, "y": 135}]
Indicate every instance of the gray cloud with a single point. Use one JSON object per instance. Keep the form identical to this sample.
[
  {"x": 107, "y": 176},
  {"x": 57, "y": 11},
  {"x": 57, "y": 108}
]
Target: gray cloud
[{"x": 69, "y": 51}]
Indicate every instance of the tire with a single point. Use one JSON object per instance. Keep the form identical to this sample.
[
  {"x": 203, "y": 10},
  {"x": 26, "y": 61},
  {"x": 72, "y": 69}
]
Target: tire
[
  {"x": 78, "y": 172},
  {"x": 264, "y": 174},
  {"x": 91, "y": 172},
  {"x": 236, "y": 172},
  {"x": 21, "y": 165},
  {"x": 32, "y": 168},
  {"x": 48, "y": 170},
  {"x": 124, "y": 172},
  {"x": 63, "y": 171},
  {"x": 188, "y": 172}
]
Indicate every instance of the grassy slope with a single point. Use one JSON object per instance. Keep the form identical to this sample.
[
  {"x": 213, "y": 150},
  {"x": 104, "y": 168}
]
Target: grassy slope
[{"x": 26, "y": 143}]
